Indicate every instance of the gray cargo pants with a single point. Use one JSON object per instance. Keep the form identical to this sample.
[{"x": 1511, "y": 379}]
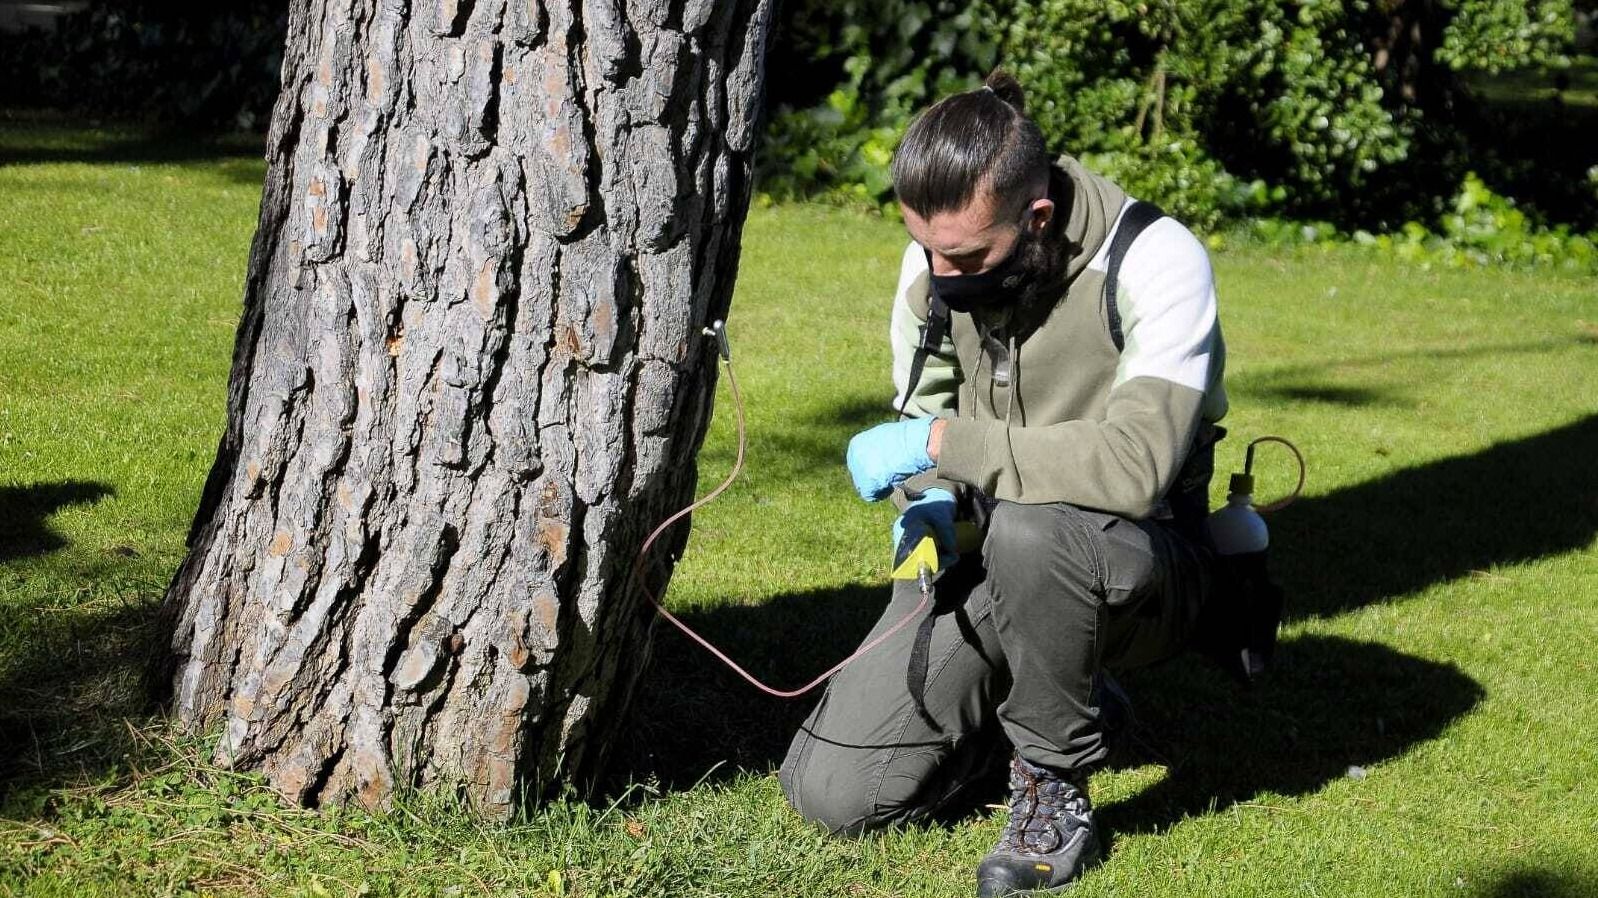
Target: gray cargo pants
[{"x": 1057, "y": 592}]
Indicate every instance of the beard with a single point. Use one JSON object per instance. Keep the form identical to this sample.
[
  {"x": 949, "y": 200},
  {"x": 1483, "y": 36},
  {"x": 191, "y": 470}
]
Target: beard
[
  {"x": 1045, "y": 255},
  {"x": 1042, "y": 259}
]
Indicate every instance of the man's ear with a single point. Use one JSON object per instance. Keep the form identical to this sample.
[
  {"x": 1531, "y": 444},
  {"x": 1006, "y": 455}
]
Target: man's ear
[{"x": 1039, "y": 214}]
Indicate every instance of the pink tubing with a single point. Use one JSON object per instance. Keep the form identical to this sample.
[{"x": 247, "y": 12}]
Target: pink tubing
[{"x": 638, "y": 570}]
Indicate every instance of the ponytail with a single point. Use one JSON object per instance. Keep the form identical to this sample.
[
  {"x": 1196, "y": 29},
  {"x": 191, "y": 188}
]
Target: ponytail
[
  {"x": 1003, "y": 85},
  {"x": 968, "y": 140}
]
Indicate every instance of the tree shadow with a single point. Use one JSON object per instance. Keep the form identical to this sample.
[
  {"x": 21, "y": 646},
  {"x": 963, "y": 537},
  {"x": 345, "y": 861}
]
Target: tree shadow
[
  {"x": 1308, "y": 381},
  {"x": 1395, "y": 535},
  {"x": 235, "y": 157},
  {"x": 1264, "y": 378},
  {"x": 812, "y": 448},
  {"x": 1334, "y": 704},
  {"x": 821, "y": 439},
  {"x": 856, "y": 414},
  {"x": 1390, "y": 537},
  {"x": 25, "y": 512},
  {"x": 1327, "y": 394},
  {"x": 73, "y": 661}
]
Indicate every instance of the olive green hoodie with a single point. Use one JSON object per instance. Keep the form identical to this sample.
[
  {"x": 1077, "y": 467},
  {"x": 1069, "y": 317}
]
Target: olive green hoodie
[{"x": 1042, "y": 406}]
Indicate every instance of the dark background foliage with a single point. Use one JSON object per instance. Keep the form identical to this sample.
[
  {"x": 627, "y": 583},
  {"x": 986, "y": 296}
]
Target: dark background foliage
[
  {"x": 1364, "y": 114},
  {"x": 210, "y": 65}
]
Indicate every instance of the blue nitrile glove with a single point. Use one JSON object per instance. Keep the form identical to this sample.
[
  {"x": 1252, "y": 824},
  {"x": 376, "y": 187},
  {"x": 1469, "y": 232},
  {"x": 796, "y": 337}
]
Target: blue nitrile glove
[
  {"x": 880, "y": 458},
  {"x": 932, "y": 513}
]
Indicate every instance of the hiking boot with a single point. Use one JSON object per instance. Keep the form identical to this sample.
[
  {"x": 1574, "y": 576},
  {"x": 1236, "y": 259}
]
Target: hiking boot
[{"x": 1050, "y": 839}]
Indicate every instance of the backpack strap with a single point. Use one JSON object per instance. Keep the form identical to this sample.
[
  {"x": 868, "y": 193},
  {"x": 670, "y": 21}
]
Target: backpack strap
[
  {"x": 932, "y": 334},
  {"x": 1137, "y": 218}
]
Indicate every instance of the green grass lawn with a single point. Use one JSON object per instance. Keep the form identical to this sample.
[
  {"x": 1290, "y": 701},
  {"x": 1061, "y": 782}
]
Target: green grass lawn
[{"x": 1431, "y": 731}]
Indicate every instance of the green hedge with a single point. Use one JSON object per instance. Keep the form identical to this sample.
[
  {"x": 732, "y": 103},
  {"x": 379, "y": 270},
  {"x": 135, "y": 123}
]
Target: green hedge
[{"x": 1348, "y": 111}]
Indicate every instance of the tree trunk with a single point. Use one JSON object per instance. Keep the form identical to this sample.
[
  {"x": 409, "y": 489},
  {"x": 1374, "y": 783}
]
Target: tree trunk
[{"x": 468, "y": 379}]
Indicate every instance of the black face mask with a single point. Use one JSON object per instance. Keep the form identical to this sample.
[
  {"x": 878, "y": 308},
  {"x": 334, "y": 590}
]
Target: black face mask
[{"x": 1000, "y": 285}]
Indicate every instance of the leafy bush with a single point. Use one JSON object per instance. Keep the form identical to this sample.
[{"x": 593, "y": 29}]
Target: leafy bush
[
  {"x": 1481, "y": 228},
  {"x": 1188, "y": 184},
  {"x": 1347, "y": 111},
  {"x": 892, "y": 57},
  {"x": 830, "y": 152},
  {"x": 1494, "y": 36}
]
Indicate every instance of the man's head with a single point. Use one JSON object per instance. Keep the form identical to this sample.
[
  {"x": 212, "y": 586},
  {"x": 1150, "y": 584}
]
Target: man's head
[{"x": 972, "y": 178}]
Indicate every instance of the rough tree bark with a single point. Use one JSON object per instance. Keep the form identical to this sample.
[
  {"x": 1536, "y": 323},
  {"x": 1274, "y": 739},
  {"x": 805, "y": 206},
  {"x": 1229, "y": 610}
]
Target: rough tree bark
[{"x": 468, "y": 379}]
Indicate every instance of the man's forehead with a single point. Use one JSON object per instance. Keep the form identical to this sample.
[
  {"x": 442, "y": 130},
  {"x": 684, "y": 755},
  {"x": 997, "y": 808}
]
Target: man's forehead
[{"x": 972, "y": 227}]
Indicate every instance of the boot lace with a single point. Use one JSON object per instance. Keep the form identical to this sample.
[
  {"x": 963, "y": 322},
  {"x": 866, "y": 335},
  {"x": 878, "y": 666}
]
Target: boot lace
[{"x": 1044, "y": 810}]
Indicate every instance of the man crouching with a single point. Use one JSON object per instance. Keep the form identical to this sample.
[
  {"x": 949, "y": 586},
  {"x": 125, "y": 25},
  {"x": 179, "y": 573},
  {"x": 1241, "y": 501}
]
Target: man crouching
[{"x": 1058, "y": 364}]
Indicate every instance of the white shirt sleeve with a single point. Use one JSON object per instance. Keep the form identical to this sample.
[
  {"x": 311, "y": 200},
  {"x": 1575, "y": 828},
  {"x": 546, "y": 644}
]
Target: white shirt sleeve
[{"x": 1167, "y": 304}]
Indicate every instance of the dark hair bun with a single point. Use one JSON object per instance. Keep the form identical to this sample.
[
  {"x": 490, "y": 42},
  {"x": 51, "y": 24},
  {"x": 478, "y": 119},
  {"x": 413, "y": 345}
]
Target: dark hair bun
[{"x": 1006, "y": 88}]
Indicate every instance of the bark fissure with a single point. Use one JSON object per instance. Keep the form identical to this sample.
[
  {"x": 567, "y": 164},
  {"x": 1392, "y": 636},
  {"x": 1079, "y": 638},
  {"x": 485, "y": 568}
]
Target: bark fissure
[
  {"x": 318, "y": 784},
  {"x": 593, "y": 214},
  {"x": 338, "y": 631},
  {"x": 414, "y": 614},
  {"x": 318, "y": 694},
  {"x": 292, "y": 414}
]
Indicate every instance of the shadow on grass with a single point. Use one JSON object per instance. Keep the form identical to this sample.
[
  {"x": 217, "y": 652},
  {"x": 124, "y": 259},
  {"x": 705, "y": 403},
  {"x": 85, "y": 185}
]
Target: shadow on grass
[
  {"x": 1261, "y": 378},
  {"x": 72, "y": 661},
  {"x": 1334, "y": 704},
  {"x": 1329, "y": 394},
  {"x": 811, "y": 449},
  {"x": 818, "y": 442},
  {"x": 1308, "y": 382},
  {"x": 1514, "y": 502},
  {"x": 856, "y": 415},
  {"x": 694, "y": 719},
  {"x": 1386, "y": 538},
  {"x": 125, "y": 148},
  {"x": 1539, "y": 884},
  {"x": 70, "y": 678},
  {"x": 25, "y": 512},
  {"x": 1331, "y": 705}
]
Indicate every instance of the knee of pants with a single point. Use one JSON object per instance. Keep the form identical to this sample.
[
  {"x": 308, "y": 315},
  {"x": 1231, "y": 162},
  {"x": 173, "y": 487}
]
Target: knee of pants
[
  {"x": 834, "y": 798},
  {"x": 1042, "y": 544}
]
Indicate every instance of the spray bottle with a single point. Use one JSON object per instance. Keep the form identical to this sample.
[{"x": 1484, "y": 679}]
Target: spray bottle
[{"x": 1240, "y": 628}]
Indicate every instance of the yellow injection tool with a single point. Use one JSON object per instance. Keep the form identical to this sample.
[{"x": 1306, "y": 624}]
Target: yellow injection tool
[{"x": 913, "y": 553}]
